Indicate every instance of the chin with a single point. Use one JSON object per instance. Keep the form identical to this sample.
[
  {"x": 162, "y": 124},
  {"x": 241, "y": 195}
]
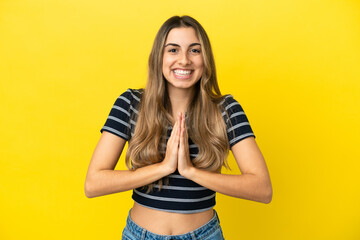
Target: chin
[{"x": 183, "y": 86}]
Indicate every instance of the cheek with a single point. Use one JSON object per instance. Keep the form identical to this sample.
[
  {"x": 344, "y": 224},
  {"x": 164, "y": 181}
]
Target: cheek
[
  {"x": 166, "y": 62},
  {"x": 201, "y": 66},
  {"x": 200, "y": 62},
  {"x": 166, "y": 65}
]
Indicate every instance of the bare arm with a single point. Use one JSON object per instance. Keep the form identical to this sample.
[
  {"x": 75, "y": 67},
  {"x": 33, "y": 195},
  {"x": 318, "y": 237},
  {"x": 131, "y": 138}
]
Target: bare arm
[
  {"x": 102, "y": 179},
  {"x": 254, "y": 182}
]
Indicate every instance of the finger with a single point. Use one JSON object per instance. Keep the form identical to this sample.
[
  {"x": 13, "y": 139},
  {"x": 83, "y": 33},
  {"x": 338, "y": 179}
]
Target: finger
[
  {"x": 173, "y": 139},
  {"x": 185, "y": 130},
  {"x": 177, "y": 133},
  {"x": 173, "y": 131},
  {"x": 180, "y": 123},
  {"x": 179, "y": 120},
  {"x": 182, "y": 131},
  {"x": 183, "y": 126},
  {"x": 181, "y": 140}
]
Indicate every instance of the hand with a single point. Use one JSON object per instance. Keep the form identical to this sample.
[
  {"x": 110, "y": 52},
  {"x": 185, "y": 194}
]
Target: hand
[
  {"x": 172, "y": 147},
  {"x": 184, "y": 162}
]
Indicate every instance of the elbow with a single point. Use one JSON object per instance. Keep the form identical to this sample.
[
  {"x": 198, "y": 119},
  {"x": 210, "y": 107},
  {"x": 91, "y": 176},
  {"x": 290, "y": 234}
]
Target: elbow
[
  {"x": 267, "y": 195},
  {"x": 89, "y": 189},
  {"x": 268, "y": 198},
  {"x": 264, "y": 192},
  {"x": 267, "y": 191}
]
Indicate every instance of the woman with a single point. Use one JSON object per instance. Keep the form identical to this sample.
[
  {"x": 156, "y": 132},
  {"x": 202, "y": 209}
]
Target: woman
[{"x": 180, "y": 129}]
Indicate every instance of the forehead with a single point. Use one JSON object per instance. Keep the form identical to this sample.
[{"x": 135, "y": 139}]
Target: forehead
[{"x": 182, "y": 36}]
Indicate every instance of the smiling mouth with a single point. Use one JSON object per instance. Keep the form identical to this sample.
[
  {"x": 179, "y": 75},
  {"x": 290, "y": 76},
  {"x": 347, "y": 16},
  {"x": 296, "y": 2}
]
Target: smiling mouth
[{"x": 182, "y": 73}]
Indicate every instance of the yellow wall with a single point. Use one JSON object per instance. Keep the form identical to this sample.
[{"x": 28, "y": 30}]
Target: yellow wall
[{"x": 293, "y": 65}]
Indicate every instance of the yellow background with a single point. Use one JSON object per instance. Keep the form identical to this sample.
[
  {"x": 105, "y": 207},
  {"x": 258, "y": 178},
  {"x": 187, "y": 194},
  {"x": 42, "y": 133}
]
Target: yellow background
[{"x": 294, "y": 66}]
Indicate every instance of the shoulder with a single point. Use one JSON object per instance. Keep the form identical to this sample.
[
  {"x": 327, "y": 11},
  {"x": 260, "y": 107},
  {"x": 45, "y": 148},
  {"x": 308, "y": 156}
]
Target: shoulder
[
  {"x": 131, "y": 95},
  {"x": 227, "y": 99},
  {"x": 124, "y": 111},
  {"x": 230, "y": 105},
  {"x": 136, "y": 93},
  {"x": 129, "y": 99},
  {"x": 237, "y": 123}
]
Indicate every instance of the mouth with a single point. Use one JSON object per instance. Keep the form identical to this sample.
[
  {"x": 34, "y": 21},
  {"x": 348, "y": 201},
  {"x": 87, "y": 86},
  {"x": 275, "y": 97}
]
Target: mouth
[{"x": 180, "y": 73}]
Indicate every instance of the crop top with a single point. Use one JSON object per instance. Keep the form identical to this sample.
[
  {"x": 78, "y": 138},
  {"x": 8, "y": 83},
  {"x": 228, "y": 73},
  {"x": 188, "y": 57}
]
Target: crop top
[{"x": 180, "y": 195}]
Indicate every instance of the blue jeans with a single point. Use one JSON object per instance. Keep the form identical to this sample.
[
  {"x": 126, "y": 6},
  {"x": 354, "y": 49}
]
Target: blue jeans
[{"x": 210, "y": 231}]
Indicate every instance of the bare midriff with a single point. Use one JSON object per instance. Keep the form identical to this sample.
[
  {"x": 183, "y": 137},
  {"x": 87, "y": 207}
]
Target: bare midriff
[{"x": 168, "y": 223}]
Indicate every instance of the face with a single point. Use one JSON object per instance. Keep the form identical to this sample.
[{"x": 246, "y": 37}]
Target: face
[{"x": 182, "y": 61}]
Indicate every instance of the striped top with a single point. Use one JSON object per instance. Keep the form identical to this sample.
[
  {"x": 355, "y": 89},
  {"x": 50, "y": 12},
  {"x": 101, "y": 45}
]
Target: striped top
[{"x": 181, "y": 195}]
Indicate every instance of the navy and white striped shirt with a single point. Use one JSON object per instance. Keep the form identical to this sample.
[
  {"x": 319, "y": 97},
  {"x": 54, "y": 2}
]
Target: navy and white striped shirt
[{"x": 181, "y": 195}]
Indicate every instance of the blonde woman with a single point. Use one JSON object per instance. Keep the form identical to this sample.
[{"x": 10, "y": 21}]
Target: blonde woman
[{"x": 179, "y": 131}]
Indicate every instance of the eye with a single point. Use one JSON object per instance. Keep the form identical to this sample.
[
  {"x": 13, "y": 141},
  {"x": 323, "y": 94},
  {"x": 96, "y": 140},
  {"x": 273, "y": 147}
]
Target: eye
[
  {"x": 194, "y": 50},
  {"x": 172, "y": 50}
]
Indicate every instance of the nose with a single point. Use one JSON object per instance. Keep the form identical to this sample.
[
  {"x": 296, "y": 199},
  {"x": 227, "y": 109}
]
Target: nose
[{"x": 184, "y": 59}]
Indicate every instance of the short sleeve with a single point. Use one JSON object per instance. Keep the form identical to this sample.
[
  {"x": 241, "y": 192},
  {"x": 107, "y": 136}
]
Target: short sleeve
[
  {"x": 237, "y": 123},
  {"x": 119, "y": 121}
]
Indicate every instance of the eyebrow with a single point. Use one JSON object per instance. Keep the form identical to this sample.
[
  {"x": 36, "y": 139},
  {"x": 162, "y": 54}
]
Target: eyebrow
[{"x": 177, "y": 45}]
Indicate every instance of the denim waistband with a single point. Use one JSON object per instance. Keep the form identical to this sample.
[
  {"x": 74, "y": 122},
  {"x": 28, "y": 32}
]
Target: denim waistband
[{"x": 208, "y": 228}]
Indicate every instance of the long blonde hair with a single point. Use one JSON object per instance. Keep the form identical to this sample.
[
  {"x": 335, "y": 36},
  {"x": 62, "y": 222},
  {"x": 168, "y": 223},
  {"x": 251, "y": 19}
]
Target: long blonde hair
[{"x": 206, "y": 126}]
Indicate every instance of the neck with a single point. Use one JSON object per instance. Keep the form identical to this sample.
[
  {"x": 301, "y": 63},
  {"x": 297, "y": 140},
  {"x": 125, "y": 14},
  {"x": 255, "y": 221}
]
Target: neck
[{"x": 180, "y": 99}]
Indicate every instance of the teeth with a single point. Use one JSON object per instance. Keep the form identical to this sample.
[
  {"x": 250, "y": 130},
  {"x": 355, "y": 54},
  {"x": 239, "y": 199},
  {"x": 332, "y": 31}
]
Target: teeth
[{"x": 182, "y": 72}]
